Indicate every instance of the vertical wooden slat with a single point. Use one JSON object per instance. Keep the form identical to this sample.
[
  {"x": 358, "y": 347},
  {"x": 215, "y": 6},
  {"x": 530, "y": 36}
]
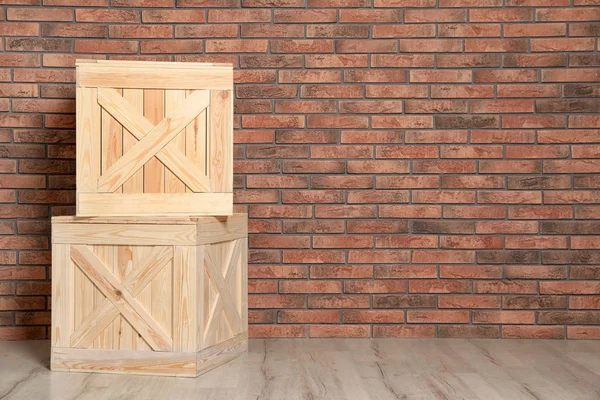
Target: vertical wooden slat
[
  {"x": 173, "y": 99},
  {"x": 62, "y": 296},
  {"x": 145, "y": 296},
  {"x": 196, "y": 141},
  {"x": 221, "y": 141},
  {"x": 162, "y": 297},
  {"x": 154, "y": 171},
  {"x": 83, "y": 303},
  {"x": 184, "y": 300},
  {"x": 244, "y": 283},
  {"x": 200, "y": 297},
  {"x": 112, "y": 141},
  {"x": 88, "y": 139},
  {"x": 125, "y": 335},
  {"x": 106, "y": 255},
  {"x": 135, "y": 184}
]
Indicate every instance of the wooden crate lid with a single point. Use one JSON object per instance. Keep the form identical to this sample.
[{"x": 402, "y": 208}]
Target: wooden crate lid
[{"x": 153, "y": 74}]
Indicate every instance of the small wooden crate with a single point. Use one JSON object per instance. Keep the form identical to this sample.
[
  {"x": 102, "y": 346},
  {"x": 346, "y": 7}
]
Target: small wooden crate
[
  {"x": 154, "y": 138},
  {"x": 160, "y": 296}
]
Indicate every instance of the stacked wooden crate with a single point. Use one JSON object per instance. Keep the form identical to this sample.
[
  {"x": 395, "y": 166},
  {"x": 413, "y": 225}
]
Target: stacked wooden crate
[{"x": 150, "y": 276}]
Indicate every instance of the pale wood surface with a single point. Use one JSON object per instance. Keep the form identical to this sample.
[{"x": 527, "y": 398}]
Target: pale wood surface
[
  {"x": 139, "y": 125},
  {"x": 220, "y": 139},
  {"x": 62, "y": 299},
  {"x": 143, "y": 139},
  {"x": 184, "y": 296},
  {"x": 123, "y": 234},
  {"x": 135, "y": 97},
  {"x": 158, "y": 204},
  {"x": 213, "y": 225},
  {"x": 155, "y": 75},
  {"x": 122, "y": 299},
  {"x": 88, "y": 139},
  {"x": 153, "y": 141},
  {"x": 145, "y": 230},
  {"x": 133, "y": 285},
  {"x": 335, "y": 369}
]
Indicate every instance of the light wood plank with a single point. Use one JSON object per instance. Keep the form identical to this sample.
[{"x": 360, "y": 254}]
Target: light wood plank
[
  {"x": 154, "y": 107},
  {"x": 139, "y": 126},
  {"x": 237, "y": 218},
  {"x": 243, "y": 290},
  {"x": 144, "y": 297},
  {"x": 62, "y": 295},
  {"x": 124, "y": 234},
  {"x": 136, "y": 281},
  {"x": 201, "y": 283},
  {"x": 162, "y": 296},
  {"x": 222, "y": 229},
  {"x": 128, "y": 204},
  {"x": 219, "y": 354},
  {"x": 104, "y": 340},
  {"x": 154, "y": 76},
  {"x": 157, "y": 138},
  {"x": 88, "y": 139},
  {"x": 135, "y": 98},
  {"x": 196, "y": 141},
  {"x": 184, "y": 306},
  {"x": 112, "y": 288},
  {"x": 225, "y": 302},
  {"x": 124, "y": 362},
  {"x": 112, "y": 140},
  {"x": 220, "y": 141},
  {"x": 173, "y": 100}
]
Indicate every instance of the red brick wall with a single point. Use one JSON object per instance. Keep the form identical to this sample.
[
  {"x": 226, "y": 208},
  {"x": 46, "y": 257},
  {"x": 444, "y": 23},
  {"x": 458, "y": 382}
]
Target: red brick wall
[{"x": 410, "y": 167}]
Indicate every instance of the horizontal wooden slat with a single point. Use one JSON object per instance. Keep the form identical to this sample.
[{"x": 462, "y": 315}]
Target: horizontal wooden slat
[
  {"x": 156, "y": 204},
  {"x": 124, "y": 234},
  {"x": 123, "y": 361},
  {"x": 128, "y": 75},
  {"x": 69, "y": 219},
  {"x": 221, "y": 353},
  {"x": 231, "y": 228}
]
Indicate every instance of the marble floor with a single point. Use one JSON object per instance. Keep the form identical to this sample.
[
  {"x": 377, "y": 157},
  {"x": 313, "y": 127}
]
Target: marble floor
[{"x": 361, "y": 369}]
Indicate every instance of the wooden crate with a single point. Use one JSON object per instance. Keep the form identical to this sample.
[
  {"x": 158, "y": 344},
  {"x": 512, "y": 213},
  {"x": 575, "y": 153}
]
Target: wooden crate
[
  {"x": 160, "y": 296},
  {"x": 154, "y": 138}
]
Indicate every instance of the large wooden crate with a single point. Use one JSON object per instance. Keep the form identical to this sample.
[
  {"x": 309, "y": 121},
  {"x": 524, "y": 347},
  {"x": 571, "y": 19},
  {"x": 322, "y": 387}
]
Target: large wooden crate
[
  {"x": 154, "y": 138},
  {"x": 163, "y": 296}
]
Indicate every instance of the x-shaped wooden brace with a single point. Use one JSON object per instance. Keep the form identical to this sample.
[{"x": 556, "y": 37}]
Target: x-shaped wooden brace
[
  {"x": 152, "y": 140},
  {"x": 120, "y": 297},
  {"x": 224, "y": 300}
]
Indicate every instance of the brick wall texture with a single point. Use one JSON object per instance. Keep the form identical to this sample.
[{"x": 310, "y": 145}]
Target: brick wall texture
[{"x": 411, "y": 168}]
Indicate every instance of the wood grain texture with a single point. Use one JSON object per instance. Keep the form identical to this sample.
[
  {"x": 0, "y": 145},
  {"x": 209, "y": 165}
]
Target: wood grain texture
[
  {"x": 155, "y": 75},
  {"x": 220, "y": 139},
  {"x": 62, "y": 295},
  {"x": 135, "y": 98},
  {"x": 121, "y": 298},
  {"x": 157, "y": 204},
  {"x": 173, "y": 100},
  {"x": 139, "y": 125},
  {"x": 88, "y": 139},
  {"x": 154, "y": 140},
  {"x": 148, "y": 285},
  {"x": 151, "y": 140}
]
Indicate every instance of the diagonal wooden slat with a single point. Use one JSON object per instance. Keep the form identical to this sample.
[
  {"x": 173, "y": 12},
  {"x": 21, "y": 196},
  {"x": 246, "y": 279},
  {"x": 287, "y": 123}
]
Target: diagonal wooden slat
[
  {"x": 153, "y": 141},
  {"x": 103, "y": 315},
  {"x": 121, "y": 298},
  {"x": 224, "y": 298},
  {"x": 138, "y": 125}
]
